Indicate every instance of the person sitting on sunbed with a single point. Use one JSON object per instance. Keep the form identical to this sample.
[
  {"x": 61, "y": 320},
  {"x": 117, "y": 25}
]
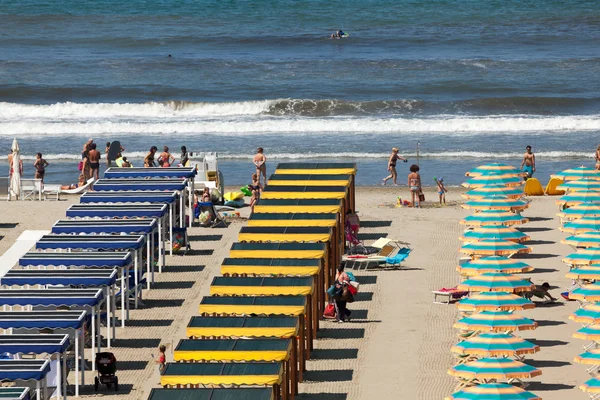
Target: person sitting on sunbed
[{"x": 75, "y": 185}]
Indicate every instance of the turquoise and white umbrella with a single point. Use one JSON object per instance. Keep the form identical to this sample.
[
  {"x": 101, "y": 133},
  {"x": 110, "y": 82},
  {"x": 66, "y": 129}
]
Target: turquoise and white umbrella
[
  {"x": 589, "y": 293},
  {"x": 495, "y": 321},
  {"x": 586, "y": 239},
  {"x": 493, "y": 247},
  {"x": 582, "y": 225},
  {"x": 578, "y": 173},
  {"x": 589, "y": 357},
  {"x": 494, "y": 168},
  {"x": 591, "y": 386},
  {"x": 496, "y": 202},
  {"x": 494, "y": 368},
  {"x": 493, "y": 301},
  {"x": 494, "y": 217},
  {"x": 493, "y": 264},
  {"x": 493, "y": 391},
  {"x": 589, "y": 314},
  {"x": 580, "y": 211},
  {"x": 493, "y": 179},
  {"x": 575, "y": 198},
  {"x": 501, "y": 190},
  {"x": 581, "y": 184},
  {"x": 496, "y": 282},
  {"x": 495, "y": 345},
  {"x": 494, "y": 232}
]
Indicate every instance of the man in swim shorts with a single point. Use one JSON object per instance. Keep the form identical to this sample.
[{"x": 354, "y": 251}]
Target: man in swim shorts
[
  {"x": 94, "y": 157},
  {"x": 528, "y": 164},
  {"x": 260, "y": 161}
]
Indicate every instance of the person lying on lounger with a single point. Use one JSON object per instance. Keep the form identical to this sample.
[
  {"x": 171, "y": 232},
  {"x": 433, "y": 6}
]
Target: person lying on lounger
[{"x": 75, "y": 185}]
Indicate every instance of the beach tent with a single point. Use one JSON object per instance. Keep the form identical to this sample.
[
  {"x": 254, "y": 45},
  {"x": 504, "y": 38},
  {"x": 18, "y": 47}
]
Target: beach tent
[
  {"x": 118, "y": 185},
  {"x": 271, "y": 266},
  {"x": 316, "y": 251},
  {"x": 295, "y": 306},
  {"x": 247, "y": 374},
  {"x": 321, "y": 169},
  {"x": 27, "y": 370},
  {"x": 89, "y": 298},
  {"x": 89, "y": 259},
  {"x": 64, "y": 277},
  {"x": 242, "y": 350},
  {"x": 143, "y": 173},
  {"x": 212, "y": 394},
  {"x": 42, "y": 344},
  {"x": 330, "y": 206},
  {"x": 315, "y": 180},
  {"x": 271, "y": 286},
  {"x": 307, "y": 192},
  {"x": 71, "y": 321},
  {"x": 14, "y": 393},
  {"x": 141, "y": 226}
]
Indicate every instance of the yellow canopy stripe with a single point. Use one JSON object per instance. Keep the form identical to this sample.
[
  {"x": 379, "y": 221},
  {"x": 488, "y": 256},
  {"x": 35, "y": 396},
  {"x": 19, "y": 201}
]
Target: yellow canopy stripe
[
  {"x": 274, "y": 182},
  {"x": 297, "y": 209},
  {"x": 330, "y": 171},
  {"x": 303, "y": 195},
  {"x": 312, "y": 254},
  {"x": 280, "y": 332},
  {"x": 288, "y": 237},
  {"x": 261, "y": 290},
  {"x": 250, "y": 309},
  {"x": 238, "y": 356},
  {"x": 220, "y": 380},
  {"x": 293, "y": 222}
]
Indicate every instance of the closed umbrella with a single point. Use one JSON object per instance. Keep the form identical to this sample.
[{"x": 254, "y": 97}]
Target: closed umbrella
[
  {"x": 15, "y": 178},
  {"x": 492, "y": 301},
  {"x": 495, "y": 345},
  {"x": 496, "y": 282},
  {"x": 493, "y": 391},
  {"x": 493, "y": 264},
  {"x": 494, "y": 232},
  {"x": 485, "y": 191},
  {"x": 494, "y": 217}
]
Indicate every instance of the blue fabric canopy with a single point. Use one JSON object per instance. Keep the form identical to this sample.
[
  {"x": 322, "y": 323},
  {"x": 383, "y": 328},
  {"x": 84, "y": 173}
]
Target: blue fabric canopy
[
  {"x": 77, "y": 259},
  {"x": 14, "y": 393},
  {"x": 185, "y": 172},
  {"x": 34, "y": 344},
  {"x": 77, "y": 277},
  {"x": 117, "y": 210},
  {"x": 91, "y": 242},
  {"x": 103, "y": 185},
  {"x": 11, "y": 370},
  {"x": 129, "y": 226},
  {"x": 51, "y": 297},
  {"x": 73, "y": 319},
  {"x": 129, "y": 197}
]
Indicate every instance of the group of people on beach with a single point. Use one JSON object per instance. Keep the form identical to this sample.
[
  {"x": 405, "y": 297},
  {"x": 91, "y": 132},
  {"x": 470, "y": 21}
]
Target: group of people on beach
[{"x": 165, "y": 159}]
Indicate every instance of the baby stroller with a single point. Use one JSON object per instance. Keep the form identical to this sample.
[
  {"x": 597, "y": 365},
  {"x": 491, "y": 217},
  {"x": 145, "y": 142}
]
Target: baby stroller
[
  {"x": 106, "y": 364},
  {"x": 354, "y": 244}
]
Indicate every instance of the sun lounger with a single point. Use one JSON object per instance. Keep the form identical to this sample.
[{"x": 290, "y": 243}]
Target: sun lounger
[{"x": 450, "y": 295}]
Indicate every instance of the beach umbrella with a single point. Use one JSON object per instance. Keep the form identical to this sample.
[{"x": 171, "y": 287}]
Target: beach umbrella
[
  {"x": 589, "y": 357},
  {"x": 587, "y": 273},
  {"x": 591, "y": 386},
  {"x": 493, "y": 217},
  {"x": 490, "y": 301},
  {"x": 495, "y": 321},
  {"x": 581, "y": 197},
  {"x": 495, "y": 345},
  {"x": 586, "y": 239},
  {"x": 589, "y": 256},
  {"x": 580, "y": 210},
  {"x": 493, "y": 264},
  {"x": 501, "y": 190},
  {"x": 494, "y": 232},
  {"x": 581, "y": 184},
  {"x": 15, "y": 179},
  {"x": 496, "y": 168},
  {"x": 581, "y": 225},
  {"x": 590, "y": 314},
  {"x": 590, "y": 332},
  {"x": 494, "y": 368},
  {"x": 493, "y": 247},
  {"x": 493, "y": 391},
  {"x": 582, "y": 172},
  {"x": 496, "y": 282},
  {"x": 586, "y": 293},
  {"x": 496, "y": 202},
  {"x": 493, "y": 179}
]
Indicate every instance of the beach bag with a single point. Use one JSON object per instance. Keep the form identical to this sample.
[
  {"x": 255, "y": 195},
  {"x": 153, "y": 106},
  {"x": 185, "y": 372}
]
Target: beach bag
[
  {"x": 329, "y": 312},
  {"x": 421, "y": 197},
  {"x": 346, "y": 295},
  {"x": 80, "y": 166},
  {"x": 355, "y": 285},
  {"x": 350, "y": 276},
  {"x": 352, "y": 290},
  {"x": 331, "y": 291}
]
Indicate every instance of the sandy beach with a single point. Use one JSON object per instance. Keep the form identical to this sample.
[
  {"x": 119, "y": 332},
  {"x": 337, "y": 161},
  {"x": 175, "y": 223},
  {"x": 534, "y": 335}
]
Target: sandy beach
[{"x": 397, "y": 345}]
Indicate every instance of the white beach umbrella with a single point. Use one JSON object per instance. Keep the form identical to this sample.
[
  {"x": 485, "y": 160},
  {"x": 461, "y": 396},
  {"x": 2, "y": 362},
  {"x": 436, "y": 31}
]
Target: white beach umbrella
[{"x": 15, "y": 180}]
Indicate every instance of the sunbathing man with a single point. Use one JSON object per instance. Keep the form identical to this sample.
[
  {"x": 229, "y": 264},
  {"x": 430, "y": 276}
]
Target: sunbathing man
[{"x": 260, "y": 161}]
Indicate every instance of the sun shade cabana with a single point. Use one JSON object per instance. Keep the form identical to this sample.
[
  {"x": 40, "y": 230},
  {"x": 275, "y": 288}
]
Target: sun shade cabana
[
  {"x": 494, "y": 232},
  {"x": 26, "y": 370},
  {"x": 492, "y": 301},
  {"x": 494, "y": 217},
  {"x": 305, "y": 192},
  {"x": 14, "y": 393},
  {"x": 493, "y": 391},
  {"x": 246, "y": 374},
  {"x": 65, "y": 277},
  {"x": 316, "y": 180},
  {"x": 493, "y": 264},
  {"x": 212, "y": 394},
  {"x": 578, "y": 173},
  {"x": 77, "y": 259},
  {"x": 41, "y": 344},
  {"x": 271, "y": 266},
  {"x": 330, "y": 206},
  {"x": 486, "y": 191},
  {"x": 242, "y": 350},
  {"x": 495, "y": 345},
  {"x": 130, "y": 184},
  {"x": 495, "y": 321}
]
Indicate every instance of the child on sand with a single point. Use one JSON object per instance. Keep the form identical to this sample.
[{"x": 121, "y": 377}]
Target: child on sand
[
  {"x": 260, "y": 162},
  {"x": 255, "y": 187},
  {"x": 414, "y": 184},
  {"x": 161, "y": 360},
  {"x": 441, "y": 189}
]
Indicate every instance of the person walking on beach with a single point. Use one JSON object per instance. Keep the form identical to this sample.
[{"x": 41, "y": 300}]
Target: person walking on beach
[
  {"x": 528, "y": 164},
  {"x": 166, "y": 159},
  {"x": 260, "y": 162},
  {"x": 598, "y": 157},
  {"x": 394, "y": 157},
  {"x": 40, "y": 167},
  {"x": 441, "y": 189},
  {"x": 342, "y": 281},
  {"x": 94, "y": 157},
  {"x": 414, "y": 184},
  {"x": 149, "y": 159}
]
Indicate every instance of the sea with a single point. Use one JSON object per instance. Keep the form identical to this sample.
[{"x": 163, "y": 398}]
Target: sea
[{"x": 452, "y": 83}]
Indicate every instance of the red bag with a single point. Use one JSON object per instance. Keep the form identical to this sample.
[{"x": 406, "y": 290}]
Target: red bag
[
  {"x": 329, "y": 312},
  {"x": 80, "y": 166},
  {"x": 352, "y": 290}
]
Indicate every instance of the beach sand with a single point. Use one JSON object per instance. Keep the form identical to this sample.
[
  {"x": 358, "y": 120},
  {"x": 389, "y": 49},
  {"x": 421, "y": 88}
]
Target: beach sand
[{"x": 398, "y": 344}]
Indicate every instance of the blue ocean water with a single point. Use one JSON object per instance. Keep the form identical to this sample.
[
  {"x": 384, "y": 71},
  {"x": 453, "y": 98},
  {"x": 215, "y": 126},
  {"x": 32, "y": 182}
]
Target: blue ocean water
[{"x": 470, "y": 81}]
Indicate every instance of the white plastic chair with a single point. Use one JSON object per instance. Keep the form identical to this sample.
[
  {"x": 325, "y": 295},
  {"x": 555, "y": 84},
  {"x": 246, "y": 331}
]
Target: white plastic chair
[{"x": 30, "y": 188}]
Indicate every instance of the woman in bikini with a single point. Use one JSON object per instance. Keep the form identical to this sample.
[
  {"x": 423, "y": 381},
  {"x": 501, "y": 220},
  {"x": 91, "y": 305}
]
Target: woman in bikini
[
  {"x": 149, "y": 159},
  {"x": 166, "y": 159},
  {"x": 40, "y": 167},
  {"x": 414, "y": 184},
  {"x": 394, "y": 157}
]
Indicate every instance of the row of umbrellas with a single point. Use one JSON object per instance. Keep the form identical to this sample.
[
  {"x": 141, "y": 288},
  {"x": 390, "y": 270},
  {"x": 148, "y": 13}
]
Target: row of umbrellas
[
  {"x": 580, "y": 216},
  {"x": 488, "y": 350}
]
